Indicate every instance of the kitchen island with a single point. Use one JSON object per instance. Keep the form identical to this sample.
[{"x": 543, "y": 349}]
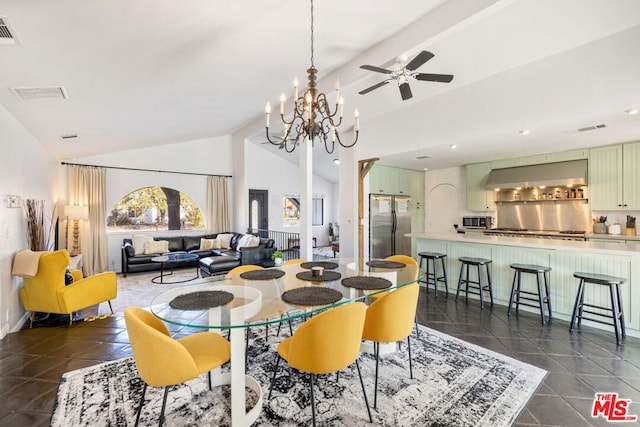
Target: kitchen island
[{"x": 563, "y": 256}]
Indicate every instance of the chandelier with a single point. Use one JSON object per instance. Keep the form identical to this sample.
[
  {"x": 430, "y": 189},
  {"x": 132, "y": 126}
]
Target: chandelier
[{"x": 312, "y": 118}]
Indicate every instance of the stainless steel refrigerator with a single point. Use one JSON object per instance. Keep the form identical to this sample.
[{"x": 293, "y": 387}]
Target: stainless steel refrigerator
[{"x": 389, "y": 221}]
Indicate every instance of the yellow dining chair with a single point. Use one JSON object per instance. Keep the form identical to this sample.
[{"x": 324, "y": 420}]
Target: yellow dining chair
[
  {"x": 294, "y": 261},
  {"x": 390, "y": 319},
  {"x": 408, "y": 275},
  {"x": 272, "y": 305},
  {"x": 328, "y": 342},
  {"x": 163, "y": 361},
  {"x": 46, "y": 291},
  {"x": 241, "y": 269}
]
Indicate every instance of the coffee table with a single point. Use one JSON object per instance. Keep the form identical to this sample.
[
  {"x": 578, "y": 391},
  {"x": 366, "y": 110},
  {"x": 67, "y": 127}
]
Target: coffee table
[{"x": 171, "y": 259}]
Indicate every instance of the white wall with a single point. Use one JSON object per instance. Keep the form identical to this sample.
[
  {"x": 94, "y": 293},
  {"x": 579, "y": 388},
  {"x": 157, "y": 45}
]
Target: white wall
[
  {"x": 445, "y": 199},
  {"x": 207, "y": 156},
  {"x": 29, "y": 172},
  {"x": 266, "y": 171}
]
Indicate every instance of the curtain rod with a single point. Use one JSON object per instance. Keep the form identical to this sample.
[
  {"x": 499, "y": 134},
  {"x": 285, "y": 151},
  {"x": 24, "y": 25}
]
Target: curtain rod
[{"x": 144, "y": 170}]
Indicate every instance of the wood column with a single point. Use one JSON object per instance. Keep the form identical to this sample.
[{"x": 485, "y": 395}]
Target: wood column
[{"x": 363, "y": 169}]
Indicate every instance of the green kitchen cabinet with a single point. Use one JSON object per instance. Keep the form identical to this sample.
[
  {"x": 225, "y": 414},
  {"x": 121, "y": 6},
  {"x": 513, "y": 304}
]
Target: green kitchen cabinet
[
  {"x": 614, "y": 177},
  {"x": 479, "y": 199}
]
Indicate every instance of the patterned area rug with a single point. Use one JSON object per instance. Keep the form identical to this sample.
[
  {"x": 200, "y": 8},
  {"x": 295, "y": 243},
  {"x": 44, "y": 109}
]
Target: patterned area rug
[{"x": 455, "y": 384}]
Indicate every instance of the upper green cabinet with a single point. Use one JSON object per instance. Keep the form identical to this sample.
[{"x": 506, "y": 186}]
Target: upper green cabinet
[
  {"x": 478, "y": 198},
  {"x": 614, "y": 177},
  {"x": 389, "y": 180}
]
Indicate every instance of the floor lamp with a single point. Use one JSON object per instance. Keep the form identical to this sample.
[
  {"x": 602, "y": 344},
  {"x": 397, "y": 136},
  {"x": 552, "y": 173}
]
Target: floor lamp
[{"x": 76, "y": 213}]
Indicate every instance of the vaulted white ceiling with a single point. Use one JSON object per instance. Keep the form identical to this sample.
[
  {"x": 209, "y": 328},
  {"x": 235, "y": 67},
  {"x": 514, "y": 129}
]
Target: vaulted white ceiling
[{"x": 149, "y": 72}]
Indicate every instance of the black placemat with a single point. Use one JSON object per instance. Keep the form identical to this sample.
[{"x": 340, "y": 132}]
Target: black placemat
[
  {"x": 386, "y": 264},
  {"x": 328, "y": 265},
  {"x": 311, "y": 296},
  {"x": 368, "y": 283},
  {"x": 327, "y": 276},
  {"x": 267, "y": 274},
  {"x": 201, "y": 300}
]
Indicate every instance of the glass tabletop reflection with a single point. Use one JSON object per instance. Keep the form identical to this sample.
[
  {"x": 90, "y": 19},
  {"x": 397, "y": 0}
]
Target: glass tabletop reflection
[{"x": 260, "y": 302}]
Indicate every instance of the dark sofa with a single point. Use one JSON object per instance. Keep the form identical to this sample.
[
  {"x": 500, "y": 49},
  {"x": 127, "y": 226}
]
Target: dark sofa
[{"x": 211, "y": 261}]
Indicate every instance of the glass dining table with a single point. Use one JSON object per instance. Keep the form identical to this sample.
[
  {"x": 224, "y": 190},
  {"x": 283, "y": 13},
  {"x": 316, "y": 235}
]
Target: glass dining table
[{"x": 249, "y": 299}]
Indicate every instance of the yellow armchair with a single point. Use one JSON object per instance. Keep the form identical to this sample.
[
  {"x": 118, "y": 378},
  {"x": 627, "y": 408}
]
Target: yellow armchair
[{"x": 46, "y": 291}]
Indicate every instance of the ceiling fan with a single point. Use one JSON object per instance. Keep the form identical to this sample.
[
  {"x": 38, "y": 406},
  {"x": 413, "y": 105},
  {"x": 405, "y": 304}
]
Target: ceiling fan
[{"x": 403, "y": 74}]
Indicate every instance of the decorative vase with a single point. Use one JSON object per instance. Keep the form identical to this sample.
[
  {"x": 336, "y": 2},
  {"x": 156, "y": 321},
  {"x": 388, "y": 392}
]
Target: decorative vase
[{"x": 278, "y": 261}]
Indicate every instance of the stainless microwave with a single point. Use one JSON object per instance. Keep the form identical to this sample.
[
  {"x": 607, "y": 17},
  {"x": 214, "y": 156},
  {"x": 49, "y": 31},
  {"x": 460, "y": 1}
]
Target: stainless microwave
[{"x": 476, "y": 221}]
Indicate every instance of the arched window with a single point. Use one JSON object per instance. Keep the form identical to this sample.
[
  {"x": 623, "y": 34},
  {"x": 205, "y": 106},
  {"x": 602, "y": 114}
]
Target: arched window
[{"x": 155, "y": 208}]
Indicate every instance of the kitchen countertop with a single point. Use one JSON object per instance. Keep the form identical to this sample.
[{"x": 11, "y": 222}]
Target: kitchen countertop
[
  {"x": 525, "y": 242},
  {"x": 613, "y": 237}
]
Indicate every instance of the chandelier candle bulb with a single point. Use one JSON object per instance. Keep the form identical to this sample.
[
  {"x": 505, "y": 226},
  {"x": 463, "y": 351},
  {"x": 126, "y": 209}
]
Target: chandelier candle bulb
[
  {"x": 295, "y": 89},
  {"x": 282, "y": 99},
  {"x": 341, "y": 102},
  {"x": 357, "y": 125},
  {"x": 267, "y": 110}
]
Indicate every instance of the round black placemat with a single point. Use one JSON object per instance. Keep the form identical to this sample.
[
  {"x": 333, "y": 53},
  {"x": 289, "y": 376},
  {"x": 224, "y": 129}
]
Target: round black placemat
[
  {"x": 327, "y": 276},
  {"x": 324, "y": 264},
  {"x": 267, "y": 274},
  {"x": 311, "y": 295},
  {"x": 368, "y": 283},
  {"x": 201, "y": 300},
  {"x": 386, "y": 264}
]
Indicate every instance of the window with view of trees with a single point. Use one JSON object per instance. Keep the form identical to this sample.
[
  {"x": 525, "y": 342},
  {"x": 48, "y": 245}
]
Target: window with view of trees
[{"x": 155, "y": 208}]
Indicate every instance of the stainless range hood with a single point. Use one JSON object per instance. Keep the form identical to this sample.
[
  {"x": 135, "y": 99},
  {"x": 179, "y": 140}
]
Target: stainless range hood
[{"x": 573, "y": 172}]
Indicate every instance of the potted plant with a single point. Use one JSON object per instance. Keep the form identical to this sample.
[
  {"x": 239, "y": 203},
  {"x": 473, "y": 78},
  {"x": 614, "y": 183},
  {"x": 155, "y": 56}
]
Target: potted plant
[{"x": 278, "y": 257}]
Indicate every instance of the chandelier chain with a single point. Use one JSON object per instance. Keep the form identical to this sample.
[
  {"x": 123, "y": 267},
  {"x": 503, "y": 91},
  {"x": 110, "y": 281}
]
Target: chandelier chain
[{"x": 312, "y": 34}]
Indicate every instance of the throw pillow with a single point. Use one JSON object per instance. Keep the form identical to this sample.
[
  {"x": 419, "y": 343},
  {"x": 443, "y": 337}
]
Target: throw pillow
[
  {"x": 225, "y": 240},
  {"x": 248, "y": 241},
  {"x": 156, "y": 247},
  {"x": 138, "y": 242},
  {"x": 68, "y": 278},
  {"x": 209, "y": 244}
]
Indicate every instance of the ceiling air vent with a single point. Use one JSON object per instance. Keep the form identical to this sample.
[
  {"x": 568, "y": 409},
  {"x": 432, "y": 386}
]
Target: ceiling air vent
[
  {"x": 422, "y": 157},
  {"x": 594, "y": 127},
  {"x": 7, "y": 35},
  {"x": 41, "y": 92},
  {"x": 68, "y": 136}
]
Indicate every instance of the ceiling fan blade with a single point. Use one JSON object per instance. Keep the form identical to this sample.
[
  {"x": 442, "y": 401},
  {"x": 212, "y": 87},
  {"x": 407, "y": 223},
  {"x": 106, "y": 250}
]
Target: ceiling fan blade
[
  {"x": 376, "y": 69},
  {"x": 420, "y": 59},
  {"x": 376, "y": 86},
  {"x": 405, "y": 91},
  {"x": 442, "y": 78}
]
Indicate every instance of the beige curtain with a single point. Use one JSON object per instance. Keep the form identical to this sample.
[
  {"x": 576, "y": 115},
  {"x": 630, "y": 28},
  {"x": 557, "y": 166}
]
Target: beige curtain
[
  {"x": 217, "y": 204},
  {"x": 87, "y": 187}
]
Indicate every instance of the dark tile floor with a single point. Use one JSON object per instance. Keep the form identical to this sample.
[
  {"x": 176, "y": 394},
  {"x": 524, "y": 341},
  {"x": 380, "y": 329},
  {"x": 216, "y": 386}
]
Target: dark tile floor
[{"x": 579, "y": 365}]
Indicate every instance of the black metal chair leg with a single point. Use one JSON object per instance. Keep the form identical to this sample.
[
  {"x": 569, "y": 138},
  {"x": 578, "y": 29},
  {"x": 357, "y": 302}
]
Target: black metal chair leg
[
  {"x": 164, "y": 403},
  {"x": 364, "y": 393},
  {"x": 273, "y": 379},
  {"x": 313, "y": 403},
  {"x": 209, "y": 380},
  {"x": 144, "y": 392},
  {"x": 376, "y": 347},
  {"x": 410, "y": 365}
]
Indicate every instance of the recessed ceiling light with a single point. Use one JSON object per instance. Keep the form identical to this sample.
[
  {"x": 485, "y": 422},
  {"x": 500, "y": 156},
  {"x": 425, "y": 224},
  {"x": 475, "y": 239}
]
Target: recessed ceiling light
[
  {"x": 453, "y": 146},
  {"x": 336, "y": 161},
  {"x": 524, "y": 132},
  {"x": 426, "y": 169},
  {"x": 632, "y": 111}
]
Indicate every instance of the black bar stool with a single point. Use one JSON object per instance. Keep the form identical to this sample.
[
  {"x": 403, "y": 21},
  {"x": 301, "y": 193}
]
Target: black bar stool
[
  {"x": 616, "y": 316},
  {"x": 477, "y": 286},
  {"x": 431, "y": 271},
  {"x": 542, "y": 296}
]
